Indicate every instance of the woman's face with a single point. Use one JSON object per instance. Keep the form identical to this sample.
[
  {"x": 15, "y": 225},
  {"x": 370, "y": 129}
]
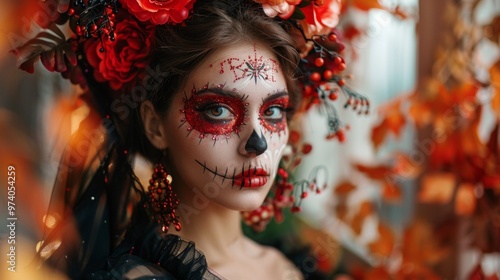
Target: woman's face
[{"x": 226, "y": 129}]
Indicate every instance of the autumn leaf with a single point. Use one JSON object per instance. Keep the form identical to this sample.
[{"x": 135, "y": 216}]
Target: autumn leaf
[
  {"x": 495, "y": 84},
  {"x": 393, "y": 121},
  {"x": 341, "y": 211},
  {"x": 421, "y": 113},
  {"x": 344, "y": 188},
  {"x": 365, "y": 208},
  {"x": 377, "y": 172},
  {"x": 407, "y": 167},
  {"x": 391, "y": 192},
  {"x": 445, "y": 152},
  {"x": 384, "y": 245},
  {"x": 465, "y": 201},
  {"x": 437, "y": 188},
  {"x": 466, "y": 92},
  {"x": 379, "y": 132},
  {"x": 420, "y": 244},
  {"x": 356, "y": 223},
  {"x": 470, "y": 142},
  {"x": 366, "y": 5}
]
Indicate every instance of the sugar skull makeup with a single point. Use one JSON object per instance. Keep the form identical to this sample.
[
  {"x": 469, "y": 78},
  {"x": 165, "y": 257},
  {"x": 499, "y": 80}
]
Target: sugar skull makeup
[
  {"x": 239, "y": 95},
  {"x": 252, "y": 68}
]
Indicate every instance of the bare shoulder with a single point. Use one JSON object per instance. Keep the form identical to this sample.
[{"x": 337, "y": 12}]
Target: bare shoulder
[{"x": 275, "y": 260}]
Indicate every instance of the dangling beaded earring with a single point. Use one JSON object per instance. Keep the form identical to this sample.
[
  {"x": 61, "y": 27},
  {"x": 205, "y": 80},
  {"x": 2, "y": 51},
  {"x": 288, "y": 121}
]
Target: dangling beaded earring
[{"x": 163, "y": 201}]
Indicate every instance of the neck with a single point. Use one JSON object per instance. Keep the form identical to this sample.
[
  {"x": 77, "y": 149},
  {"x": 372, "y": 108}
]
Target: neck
[{"x": 211, "y": 226}]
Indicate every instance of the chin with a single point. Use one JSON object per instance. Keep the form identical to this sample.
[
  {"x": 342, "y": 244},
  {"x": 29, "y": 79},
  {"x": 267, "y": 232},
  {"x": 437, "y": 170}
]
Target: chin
[{"x": 246, "y": 202}]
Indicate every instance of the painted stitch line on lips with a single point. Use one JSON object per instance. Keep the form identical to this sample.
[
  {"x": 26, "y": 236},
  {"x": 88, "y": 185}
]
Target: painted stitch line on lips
[{"x": 251, "y": 178}]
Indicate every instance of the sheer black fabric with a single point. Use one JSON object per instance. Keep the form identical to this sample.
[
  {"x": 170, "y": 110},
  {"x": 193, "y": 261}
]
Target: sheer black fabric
[{"x": 158, "y": 257}]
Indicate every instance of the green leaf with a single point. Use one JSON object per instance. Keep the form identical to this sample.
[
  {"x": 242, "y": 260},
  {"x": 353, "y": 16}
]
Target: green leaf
[{"x": 298, "y": 15}]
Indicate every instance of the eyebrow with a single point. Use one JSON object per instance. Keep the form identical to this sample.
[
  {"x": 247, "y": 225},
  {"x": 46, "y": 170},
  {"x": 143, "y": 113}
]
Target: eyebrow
[
  {"x": 275, "y": 96},
  {"x": 222, "y": 91}
]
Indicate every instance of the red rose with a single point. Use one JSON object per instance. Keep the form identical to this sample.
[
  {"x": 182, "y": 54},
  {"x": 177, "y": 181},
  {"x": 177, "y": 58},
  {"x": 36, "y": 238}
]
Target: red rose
[
  {"x": 282, "y": 8},
  {"x": 124, "y": 59},
  {"x": 322, "y": 18},
  {"x": 159, "y": 11}
]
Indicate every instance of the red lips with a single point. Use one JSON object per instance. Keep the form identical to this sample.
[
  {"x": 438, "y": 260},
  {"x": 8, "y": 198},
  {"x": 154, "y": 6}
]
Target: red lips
[{"x": 251, "y": 178}]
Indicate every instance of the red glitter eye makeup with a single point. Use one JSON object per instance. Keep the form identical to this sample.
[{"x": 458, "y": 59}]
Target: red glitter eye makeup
[
  {"x": 215, "y": 112},
  {"x": 273, "y": 114}
]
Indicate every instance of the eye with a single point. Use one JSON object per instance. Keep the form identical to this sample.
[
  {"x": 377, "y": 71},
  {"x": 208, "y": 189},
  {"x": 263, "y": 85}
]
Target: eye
[
  {"x": 217, "y": 112},
  {"x": 274, "y": 113}
]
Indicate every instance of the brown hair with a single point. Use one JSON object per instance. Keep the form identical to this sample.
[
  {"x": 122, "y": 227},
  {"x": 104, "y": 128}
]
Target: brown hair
[{"x": 179, "y": 49}]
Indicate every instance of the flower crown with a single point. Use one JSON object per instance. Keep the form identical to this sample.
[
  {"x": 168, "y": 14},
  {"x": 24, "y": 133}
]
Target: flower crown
[{"x": 123, "y": 31}]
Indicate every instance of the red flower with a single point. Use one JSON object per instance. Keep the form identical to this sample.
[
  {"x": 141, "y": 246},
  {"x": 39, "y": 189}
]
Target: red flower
[
  {"x": 124, "y": 59},
  {"x": 282, "y": 8},
  {"x": 159, "y": 11},
  {"x": 322, "y": 18}
]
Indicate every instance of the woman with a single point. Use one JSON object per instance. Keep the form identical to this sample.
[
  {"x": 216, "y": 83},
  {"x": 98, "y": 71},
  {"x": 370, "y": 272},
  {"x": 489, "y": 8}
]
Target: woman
[
  {"x": 223, "y": 129},
  {"x": 214, "y": 126}
]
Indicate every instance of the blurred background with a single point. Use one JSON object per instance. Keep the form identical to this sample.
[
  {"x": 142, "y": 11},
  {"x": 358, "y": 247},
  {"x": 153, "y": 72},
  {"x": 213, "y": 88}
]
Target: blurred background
[{"x": 412, "y": 193}]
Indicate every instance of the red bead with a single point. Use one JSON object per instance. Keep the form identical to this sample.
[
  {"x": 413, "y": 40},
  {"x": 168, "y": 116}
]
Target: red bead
[
  {"x": 295, "y": 209},
  {"x": 303, "y": 195},
  {"x": 333, "y": 96},
  {"x": 178, "y": 227},
  {"x": 341, "y": 82},
  {"x": 307, "y": 148},
  {"x": 332, "y": 37},
  {"x": 308, "y": 90},
  {"x": 341, "y": 135},
  {"x": 338, "y": 60},
  {"x": 319, "y": 62},
  {"x": 71, "y": 11},
  {"x": 315, "y": 76},
  {"x": 327, "y": 74}
]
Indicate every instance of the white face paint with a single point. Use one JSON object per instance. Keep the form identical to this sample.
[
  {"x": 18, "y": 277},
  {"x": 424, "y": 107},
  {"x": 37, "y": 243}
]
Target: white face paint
[{"x": 227, "y": 127}]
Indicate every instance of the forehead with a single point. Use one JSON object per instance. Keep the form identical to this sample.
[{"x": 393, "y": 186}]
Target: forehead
[{"x": 240, "y": 67}]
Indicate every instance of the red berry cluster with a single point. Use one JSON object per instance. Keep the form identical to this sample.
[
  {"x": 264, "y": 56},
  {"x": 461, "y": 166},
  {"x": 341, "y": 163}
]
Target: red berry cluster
[
  {"x": 323, "y": 82},
  {"x": 93, "y": 18},
  {"x": 273, "y": 207}
]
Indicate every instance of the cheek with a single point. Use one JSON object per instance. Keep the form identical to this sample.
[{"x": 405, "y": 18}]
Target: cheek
[{"x": 277, "y": 143}]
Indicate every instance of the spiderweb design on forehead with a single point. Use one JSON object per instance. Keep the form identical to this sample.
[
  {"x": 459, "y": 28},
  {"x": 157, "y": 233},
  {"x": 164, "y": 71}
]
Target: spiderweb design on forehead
[{"x": 254, "y": 68}]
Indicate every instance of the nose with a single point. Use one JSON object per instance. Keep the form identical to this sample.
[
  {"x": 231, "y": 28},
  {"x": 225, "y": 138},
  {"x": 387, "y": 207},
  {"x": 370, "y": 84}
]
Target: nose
[{"x": 256, "y": 144}]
